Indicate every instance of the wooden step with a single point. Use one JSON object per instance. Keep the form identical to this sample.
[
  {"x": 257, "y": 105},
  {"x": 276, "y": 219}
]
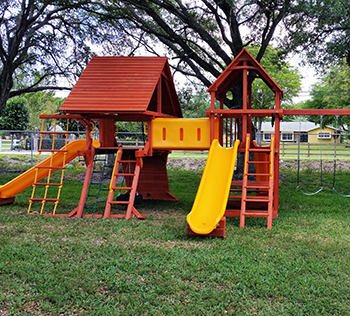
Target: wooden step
[
  {"x": 257, "y": 199},
  {"x": 121, "y": 188},
  {"x": 258, "y": 174},
  {"x": 260, "y": 150},
  {"x": 53, "y": 184},
  {"x": 255, "y": 213},
  {"x": 258, "y": 186},
  {"x": 119, "y": 202},
  {"x": 43, "y": 199},
  {"x": 260, "y": 161}
]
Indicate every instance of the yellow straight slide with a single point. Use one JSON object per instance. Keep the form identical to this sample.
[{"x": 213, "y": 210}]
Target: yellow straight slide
[
  {"x": 26, "y": 179},
  {"x": 211, "y": 199}
]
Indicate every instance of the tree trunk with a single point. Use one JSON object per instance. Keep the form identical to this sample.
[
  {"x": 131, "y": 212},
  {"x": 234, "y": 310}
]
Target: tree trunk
[{"x": 6, "y": 84}]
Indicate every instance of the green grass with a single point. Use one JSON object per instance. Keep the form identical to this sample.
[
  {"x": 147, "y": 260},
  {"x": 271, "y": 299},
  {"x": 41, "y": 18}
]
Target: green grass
[{"x": 60, "y": 266}]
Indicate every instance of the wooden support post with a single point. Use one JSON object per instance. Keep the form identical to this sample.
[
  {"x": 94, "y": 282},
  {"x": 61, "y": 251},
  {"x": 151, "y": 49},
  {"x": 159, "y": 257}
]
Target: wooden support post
[
  {"x": 80, "y": 209},
  {"x": 219, "y": 231}
]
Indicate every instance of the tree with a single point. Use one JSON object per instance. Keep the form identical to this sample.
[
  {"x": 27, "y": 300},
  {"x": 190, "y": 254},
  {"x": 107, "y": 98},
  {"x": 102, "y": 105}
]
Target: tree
[
  {"x": 201, "y": 37},
  {"x": 321, "y": 30},
  {"x": 38, "y": 103},
  {"x": 42, "y": 40},
  {"x": 333, "y": 92},
  {"x": 16, "y": 115},
  {"x": 194, "y": 101},
  {"x": 287, "y": 78}
]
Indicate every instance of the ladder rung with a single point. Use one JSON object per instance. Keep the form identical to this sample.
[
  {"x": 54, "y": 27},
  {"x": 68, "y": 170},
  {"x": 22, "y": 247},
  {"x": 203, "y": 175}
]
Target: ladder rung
[
  {"x": 263, "y": 150},
  {"x": 53, "y": 184},
  {"x": 258, "y": 174},
  {"x": 43, "y": 199},
  {"x": 50, "y": 167},
  {"x": 128, "y": 161},
  {"x": 121, "y": 188},
  {"x": 256, "y": 199},
  {"x": 260, "y": 161},
  {"x": 119, "y": 202},
  {"x": 125, "y": 174},
  {"x": 256, "y": 213},
  {"x": 261, "y": 186}
]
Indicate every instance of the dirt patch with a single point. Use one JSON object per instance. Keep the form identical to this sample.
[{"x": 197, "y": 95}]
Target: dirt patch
[
  {"x": 192, "y": 164},
  {"x": 195, "y": 164},
  {"x": 314, "y": 165}
]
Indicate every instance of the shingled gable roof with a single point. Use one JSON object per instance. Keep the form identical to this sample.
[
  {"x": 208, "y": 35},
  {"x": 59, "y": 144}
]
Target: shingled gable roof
[
  {"x": 124, "y": 85},
  {"x": 234, "y": 72}
]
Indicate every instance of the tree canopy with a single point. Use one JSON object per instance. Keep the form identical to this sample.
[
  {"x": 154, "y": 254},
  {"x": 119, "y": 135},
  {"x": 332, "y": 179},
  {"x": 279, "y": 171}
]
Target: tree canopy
[
  {"x": 320, "y": 30},
  {"x": 203, "y": 36},
  {"x": 332, "y": 93},
  {"x": 42, "y": 40},
  {"x": 16, "y": 115}
]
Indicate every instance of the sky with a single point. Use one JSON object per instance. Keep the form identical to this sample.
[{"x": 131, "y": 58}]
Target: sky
[{"x": 309, "y": 78}]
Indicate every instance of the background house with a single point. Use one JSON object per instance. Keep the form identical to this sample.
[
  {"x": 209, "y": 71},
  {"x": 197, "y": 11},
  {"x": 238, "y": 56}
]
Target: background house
[{"x": 309, "y": 132}]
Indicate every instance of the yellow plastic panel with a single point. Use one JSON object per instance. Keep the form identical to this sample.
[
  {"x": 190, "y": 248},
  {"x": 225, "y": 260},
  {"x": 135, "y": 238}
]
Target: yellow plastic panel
[
  {"x": 26, "y": 179},
  {"x": 186, "y": 134},
  {"x": 211, "y": 199}
]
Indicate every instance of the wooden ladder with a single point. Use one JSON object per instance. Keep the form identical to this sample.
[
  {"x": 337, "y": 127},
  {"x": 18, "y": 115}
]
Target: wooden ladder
[
  {"x": 131, "y": 181},
  {"x": 50, "y": 167},
  {"x": 263, "y": 189}
]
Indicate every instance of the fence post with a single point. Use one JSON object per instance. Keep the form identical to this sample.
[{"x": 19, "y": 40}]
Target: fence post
[
  {"x": 308, "y": 149},
  {"x": 0, "y": 143},
  {"x": 31, "y": 148}
]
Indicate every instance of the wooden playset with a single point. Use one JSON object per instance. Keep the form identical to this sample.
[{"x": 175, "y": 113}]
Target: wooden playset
[{"x": 141, "y": 89}]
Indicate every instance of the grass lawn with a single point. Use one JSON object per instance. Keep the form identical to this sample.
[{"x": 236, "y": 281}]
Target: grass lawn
[{"x": 60, "y": 266}]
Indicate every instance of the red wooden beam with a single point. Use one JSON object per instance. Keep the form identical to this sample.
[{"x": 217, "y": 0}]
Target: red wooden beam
[{"x": 317, "y": 112}]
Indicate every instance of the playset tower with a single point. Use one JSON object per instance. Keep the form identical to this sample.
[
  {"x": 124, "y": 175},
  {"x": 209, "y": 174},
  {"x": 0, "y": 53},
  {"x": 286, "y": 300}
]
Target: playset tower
[{"x": 141, "y": 89}]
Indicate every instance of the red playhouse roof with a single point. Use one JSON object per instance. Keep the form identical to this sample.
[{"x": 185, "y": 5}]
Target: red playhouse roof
[
  {"x": 234, "y": 72},
  {"x": 125, "y": 85}
]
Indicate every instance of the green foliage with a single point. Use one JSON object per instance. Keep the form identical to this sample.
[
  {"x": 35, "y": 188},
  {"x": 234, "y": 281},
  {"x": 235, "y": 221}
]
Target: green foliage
[
  {"x": 286, "y": 77},
  {"x": 332, "y": 93},
  {"x": 16, "y": 115},
  {"x": 321, "y": 31},
  {"x": 194, "y": 103},
  {"x": 38, "y": 103}
]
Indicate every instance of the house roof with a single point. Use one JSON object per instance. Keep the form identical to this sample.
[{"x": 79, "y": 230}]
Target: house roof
[
  {"x": 292, "y": 127},
  {"x": 124, "y": 84},
  {"x": 234, "y": 72}
]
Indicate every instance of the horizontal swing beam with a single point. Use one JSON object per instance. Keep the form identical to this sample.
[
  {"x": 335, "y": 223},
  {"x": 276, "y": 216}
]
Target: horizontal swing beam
[
  {"x": 265, "y": 113},
  {"x": 316, "y": 112}
]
